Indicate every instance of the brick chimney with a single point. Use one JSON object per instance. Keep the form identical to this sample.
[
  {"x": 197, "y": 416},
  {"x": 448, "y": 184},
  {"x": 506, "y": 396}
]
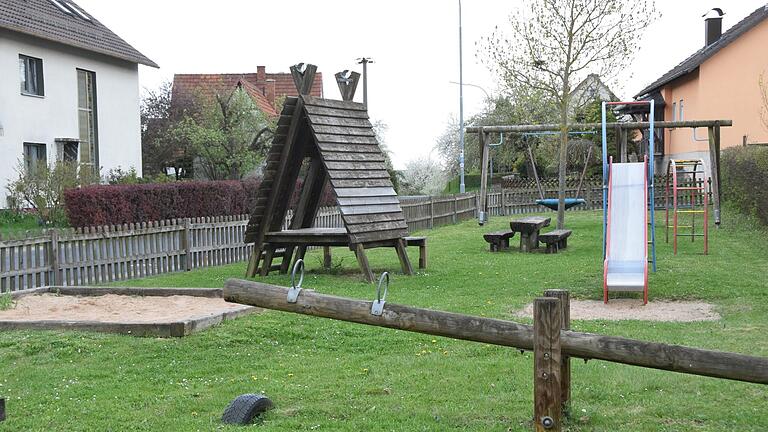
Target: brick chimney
[
  {"x": 270, "y": 91},
  {"x": 713, "y": 26},
  {"x": 261, "y": 74}
]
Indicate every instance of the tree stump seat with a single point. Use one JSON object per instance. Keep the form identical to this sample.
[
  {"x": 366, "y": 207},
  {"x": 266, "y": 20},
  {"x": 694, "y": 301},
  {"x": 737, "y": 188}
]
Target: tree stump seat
[
  {"x": 555, "y": 240},
  {"x": 499, "y": 240}
]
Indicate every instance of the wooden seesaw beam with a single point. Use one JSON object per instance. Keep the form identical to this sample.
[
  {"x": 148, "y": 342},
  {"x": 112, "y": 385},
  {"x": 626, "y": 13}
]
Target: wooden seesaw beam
[{"x": 674, "y": 358}]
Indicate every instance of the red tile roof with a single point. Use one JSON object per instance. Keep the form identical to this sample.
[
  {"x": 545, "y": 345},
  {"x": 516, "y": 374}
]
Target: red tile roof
[{"x": 186, "y": 87}]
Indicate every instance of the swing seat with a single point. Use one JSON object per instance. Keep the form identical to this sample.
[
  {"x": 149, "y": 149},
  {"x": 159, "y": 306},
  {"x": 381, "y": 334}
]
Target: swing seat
[{"x": 552, "y": 203}]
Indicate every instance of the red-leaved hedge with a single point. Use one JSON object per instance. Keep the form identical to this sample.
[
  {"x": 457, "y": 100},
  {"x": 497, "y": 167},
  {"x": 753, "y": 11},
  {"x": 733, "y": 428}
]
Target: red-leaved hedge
[{"x": 119, "y": 204}]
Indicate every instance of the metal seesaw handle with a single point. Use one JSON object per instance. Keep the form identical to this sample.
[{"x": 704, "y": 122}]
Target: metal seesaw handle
[
  {"x": 377, "y": 308},
  {"x": 293, "y": 292}
]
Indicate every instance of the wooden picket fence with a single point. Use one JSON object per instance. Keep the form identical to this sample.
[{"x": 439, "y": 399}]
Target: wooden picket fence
[{"x": 95, "y": 255}]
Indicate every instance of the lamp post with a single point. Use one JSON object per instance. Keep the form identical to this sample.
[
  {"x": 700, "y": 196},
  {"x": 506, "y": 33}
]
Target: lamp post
[
  {"x": 462, "y": 188},
  {"x": 364, "y": 61}
]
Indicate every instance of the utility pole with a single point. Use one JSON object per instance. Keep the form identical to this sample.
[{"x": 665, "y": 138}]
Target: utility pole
[
  {"x": 462, "y": 188},
  {"x": 364, "y": 61}
]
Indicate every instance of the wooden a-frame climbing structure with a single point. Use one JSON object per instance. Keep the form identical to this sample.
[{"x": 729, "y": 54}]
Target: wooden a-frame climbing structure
[{"x": 337, "y": 140}]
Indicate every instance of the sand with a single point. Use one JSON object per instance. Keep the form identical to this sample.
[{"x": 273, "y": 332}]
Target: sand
[
  {"x": 632, "y": 309},
  {"x": 113, "y": 308}
]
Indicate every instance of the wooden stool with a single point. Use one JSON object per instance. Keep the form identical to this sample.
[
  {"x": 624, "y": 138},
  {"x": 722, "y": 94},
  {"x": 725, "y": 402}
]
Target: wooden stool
[
  {"x": 421, "y": 242},
  {"x": 499, "y": 240}
]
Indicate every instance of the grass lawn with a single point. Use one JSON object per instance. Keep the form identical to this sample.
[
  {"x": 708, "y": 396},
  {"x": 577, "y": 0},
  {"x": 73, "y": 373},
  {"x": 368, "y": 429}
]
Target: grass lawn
[{"x": 335, "y": 376}]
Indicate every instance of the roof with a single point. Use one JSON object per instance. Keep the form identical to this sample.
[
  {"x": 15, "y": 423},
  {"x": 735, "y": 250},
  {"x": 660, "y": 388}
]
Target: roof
[
  {"x": 69, "y": 25},
  {"x": 187, "y": 86},
  {"x": 693, "y": 62}
]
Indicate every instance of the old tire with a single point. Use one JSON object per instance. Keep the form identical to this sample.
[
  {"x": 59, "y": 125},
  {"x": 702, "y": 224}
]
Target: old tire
[{"x": 245, "y": 408}]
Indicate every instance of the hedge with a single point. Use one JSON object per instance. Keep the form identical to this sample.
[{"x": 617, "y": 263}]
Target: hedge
[
  {"x": 120, "y": 204},
  {"x": 744, "y": 172}
]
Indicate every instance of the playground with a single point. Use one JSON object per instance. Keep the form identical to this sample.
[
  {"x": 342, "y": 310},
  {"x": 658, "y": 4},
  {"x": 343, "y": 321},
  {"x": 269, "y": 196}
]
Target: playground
[{"x": 329, "y": 375}]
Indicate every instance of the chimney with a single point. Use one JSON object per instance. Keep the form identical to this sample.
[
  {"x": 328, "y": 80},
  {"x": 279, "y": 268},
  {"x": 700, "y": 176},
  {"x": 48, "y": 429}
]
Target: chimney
[
  {"x": 713, "y": 26},
  {"x": 261, "y": 73},
  {"x": 270, "y": 91}
]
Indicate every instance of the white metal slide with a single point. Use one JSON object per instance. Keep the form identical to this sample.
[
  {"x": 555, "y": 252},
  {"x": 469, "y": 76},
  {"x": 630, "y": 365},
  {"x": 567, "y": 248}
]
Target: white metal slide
[{"x": 626, "y": 255}]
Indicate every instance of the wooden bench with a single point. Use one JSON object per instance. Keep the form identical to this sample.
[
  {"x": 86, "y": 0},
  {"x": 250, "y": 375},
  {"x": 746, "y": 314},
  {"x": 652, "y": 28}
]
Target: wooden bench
[
  {"x": 421, "y": 242},
  {"x": 499, "y": 240},
  {"x": 555, "y": 240}
]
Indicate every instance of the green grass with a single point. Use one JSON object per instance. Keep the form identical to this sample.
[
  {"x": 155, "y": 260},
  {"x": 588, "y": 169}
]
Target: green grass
[
  {"x": 14, "y": 223},
  {"x": 329, "y": 375}
]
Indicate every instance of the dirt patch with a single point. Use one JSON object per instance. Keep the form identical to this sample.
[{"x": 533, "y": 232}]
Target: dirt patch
[
  {"x": 113, "y": 308},
  {"x": 631, "y": 309}
]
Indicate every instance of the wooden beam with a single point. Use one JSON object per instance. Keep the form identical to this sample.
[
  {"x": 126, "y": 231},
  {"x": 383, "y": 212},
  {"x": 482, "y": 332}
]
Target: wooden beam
[
  {"x": 714, "y": 162},
  {"x": 485, "y": 151},
  {"x": 347, "y": 82},
  {"x": 565, "y": 361},
  {"x": 362, "y": 260},
  {"x": 402, "y": 255},
  {"x": 598, "y": 126},
  {"x": 547, "y": 405},
  {"x": 654, "y": 355}
]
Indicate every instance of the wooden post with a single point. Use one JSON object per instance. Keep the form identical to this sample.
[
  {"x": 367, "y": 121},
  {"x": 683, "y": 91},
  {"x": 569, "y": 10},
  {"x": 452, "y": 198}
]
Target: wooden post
[
  {"x": 455, "y": 209},
  {"x": 565, "y": 366},
  {"x": 362, "y": 260},
  {"x": 714, "y": 163},
  {"x": 402, "y": 255},
  {"x": 431, "y": 212},
  {"x": 327, "y": 259},
  {"x": 253, "y": 262},
  {"x": 624, "y": 143},
  {"x": 186, "y": 239},
  {"x": 547, "y": 323},
  {"x": 55, "y": 257},
  {"x": 503, "y": 202},
  {"x": 269, "y": 253},
  {"x": 483, "y": 178}
]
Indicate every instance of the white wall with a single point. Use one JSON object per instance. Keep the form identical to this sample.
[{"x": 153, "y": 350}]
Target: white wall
[{"x": 43, "y": 119}]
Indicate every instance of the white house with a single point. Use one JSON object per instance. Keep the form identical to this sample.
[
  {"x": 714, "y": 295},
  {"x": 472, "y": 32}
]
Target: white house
[{"x": 69, "y": 89}]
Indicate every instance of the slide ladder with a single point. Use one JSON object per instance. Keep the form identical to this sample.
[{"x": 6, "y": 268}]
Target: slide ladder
[
  {"x": 626, "y": 252},
  {"x": 686, "y": 186}
]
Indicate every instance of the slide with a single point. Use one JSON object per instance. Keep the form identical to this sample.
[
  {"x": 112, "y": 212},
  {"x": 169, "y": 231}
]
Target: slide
[{"x": 626, "y": 254}]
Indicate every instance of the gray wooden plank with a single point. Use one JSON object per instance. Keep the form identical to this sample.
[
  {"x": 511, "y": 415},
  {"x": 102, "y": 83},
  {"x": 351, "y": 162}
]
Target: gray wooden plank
[
  {"x": 345, "y": 139},
  {"x": 377, "y": 226},
  {"x": 373, "y": 218},
  {"x": 378, "y": 235},
  {"x": 336, "y": 112},
  {"x": 350, "y": 148},
  {"x": 374, "y": 200},
  {"x": 356, "y": 166},
  {"x": 370, "y": 209},
  {"x": 342, "y": 130},
  {"x": 346, "y": 174},
  {"x": 342, "y": 192},
  {"x": 352, "y": 157},
  {"x": 330, "y": 103},
  {"x": 339, "y": 121},
  {"x": 361, "y": 183}
]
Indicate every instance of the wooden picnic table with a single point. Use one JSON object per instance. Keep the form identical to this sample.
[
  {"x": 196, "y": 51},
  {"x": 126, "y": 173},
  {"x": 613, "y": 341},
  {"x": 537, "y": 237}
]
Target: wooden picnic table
[{"x": 529, "y": 228}]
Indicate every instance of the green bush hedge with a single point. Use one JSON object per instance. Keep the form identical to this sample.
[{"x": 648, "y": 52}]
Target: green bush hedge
[{"x": 744, "y": 173}]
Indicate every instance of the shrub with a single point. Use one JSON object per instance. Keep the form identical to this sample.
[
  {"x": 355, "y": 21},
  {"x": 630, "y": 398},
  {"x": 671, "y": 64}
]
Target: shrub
[
  {"x": 132, "y": 203},
  {"x": 42, "y": 189},
  {"x": 744, "y": 180}
]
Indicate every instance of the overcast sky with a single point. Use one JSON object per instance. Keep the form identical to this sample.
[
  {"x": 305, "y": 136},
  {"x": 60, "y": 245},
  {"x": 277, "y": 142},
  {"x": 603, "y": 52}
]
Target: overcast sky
[{"x": 414, "y": 45}]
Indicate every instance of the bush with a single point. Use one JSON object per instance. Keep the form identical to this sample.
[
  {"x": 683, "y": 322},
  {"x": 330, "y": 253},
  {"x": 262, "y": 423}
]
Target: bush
[
  {"x": 744, "y": 180},
  {"x": 132, "y": 203}
]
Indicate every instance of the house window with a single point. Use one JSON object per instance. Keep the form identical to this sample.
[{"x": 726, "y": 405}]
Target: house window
[
  {"x": 87, "y": 120},
  {"x": 67, "y": 151},
  {"x": 34, "y": 155},
  {"x": 31, "y": 75},
  {"x": 680, "y": 106},
  {"x": 674, "y": 111}
]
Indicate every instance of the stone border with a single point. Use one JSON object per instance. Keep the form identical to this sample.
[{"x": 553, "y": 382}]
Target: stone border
[{"x": 165, "y": 330}]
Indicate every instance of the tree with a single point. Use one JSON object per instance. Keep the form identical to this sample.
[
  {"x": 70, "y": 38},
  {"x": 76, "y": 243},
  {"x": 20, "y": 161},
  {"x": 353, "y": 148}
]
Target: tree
[
  {"x": 159, "y": 148},
  {"x": 226, "y": 134},
  {"x": 555, "y": 43},
  {"x": 423, "y": 176}
]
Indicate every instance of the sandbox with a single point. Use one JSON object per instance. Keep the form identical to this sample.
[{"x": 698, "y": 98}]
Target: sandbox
[
  {"x": 632, "y": 309},
  {"x": 156, "y": 312}
]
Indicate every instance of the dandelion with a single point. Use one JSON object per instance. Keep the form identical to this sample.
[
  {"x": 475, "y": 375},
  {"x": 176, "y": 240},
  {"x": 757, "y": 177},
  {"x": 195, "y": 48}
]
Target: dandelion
[{"x": 290, "y": 375}]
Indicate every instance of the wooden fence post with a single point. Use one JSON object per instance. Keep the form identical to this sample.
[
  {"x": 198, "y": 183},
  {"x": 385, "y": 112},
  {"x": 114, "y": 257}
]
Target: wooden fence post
[
  {"x": 55, "y": 257},
  {"x": 455, "y": 209},
  {"x": 431, "y": 212},
  {"x": 186, "y": 240},
  {"x": 547, "y": 323},
  {"x": 565, "y": 364}
]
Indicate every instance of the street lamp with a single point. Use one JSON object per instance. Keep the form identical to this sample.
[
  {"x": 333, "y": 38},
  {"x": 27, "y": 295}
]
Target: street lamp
[
  {"x": 462, "y": 188},
  {"x": 364, "y": 61}
]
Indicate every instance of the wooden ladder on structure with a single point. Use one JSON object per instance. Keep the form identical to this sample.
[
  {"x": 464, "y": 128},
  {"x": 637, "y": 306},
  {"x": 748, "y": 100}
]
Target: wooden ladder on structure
[{"x": 687, "y": 187}]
